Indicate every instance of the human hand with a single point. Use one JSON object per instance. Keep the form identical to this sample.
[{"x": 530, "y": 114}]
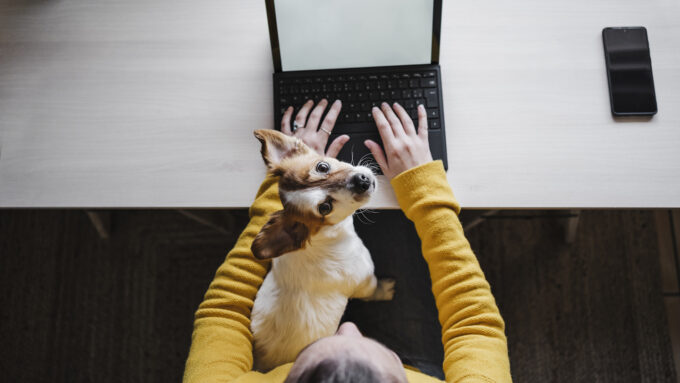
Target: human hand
[
  {"x": 308, "y": 130},
  {"x": 404, "y": 147}
]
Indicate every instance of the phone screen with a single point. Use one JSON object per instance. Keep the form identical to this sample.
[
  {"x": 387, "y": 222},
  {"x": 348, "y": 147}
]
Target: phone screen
[{"x": 629, "y": 69}]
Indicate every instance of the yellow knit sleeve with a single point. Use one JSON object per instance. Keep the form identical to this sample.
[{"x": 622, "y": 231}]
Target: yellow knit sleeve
[
  {"x": 475, "y": 347},
  {"x": 221, "y": 344}
]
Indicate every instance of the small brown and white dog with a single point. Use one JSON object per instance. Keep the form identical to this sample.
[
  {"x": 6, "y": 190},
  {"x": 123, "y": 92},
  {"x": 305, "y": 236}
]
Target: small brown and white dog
[{"x": 319, "y": 260}]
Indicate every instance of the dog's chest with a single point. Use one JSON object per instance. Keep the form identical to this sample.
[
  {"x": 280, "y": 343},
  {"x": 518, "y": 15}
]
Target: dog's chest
[{"x": 332, "y": 272}]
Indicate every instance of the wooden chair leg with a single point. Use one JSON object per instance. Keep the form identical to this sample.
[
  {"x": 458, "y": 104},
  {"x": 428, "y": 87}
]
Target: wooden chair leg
[
  {"x": 101, "y": 222},
  {"x": 472, "y": 218},
  {"x": 571, "y": 226}
]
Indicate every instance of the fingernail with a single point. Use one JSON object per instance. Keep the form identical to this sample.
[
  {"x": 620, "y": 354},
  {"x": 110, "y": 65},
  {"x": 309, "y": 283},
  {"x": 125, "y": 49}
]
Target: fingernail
[
  {"x": 396, "y": 103},
  {"x": 421, "y": 107},
  {"x": 384, "y": 104},
  {"x": 338, "y": 102},
  {"x": 374, "y": 108}
]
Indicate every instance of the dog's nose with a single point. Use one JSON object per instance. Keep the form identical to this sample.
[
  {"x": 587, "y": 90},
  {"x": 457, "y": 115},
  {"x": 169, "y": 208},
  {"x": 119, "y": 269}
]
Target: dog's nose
[{"x": 360, "y": 183}]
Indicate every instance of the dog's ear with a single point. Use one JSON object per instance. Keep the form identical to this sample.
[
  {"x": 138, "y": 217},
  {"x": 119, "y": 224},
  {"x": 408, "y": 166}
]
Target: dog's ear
[
  {"x": 277, "y": 146},
  {"x": 279, "y": 236}
]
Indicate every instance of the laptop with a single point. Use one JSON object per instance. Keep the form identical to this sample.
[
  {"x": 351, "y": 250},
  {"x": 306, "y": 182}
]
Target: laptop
[{"x": 362, "y": 52}]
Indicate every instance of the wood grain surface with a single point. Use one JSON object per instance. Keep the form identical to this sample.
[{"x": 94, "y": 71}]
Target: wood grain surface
[
  {"x": 151, "y": 103},
  {"x": 79, "y": 309}
]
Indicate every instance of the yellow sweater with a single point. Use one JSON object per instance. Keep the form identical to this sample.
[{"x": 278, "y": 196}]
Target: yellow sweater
[{"x": 475, "y": 347}]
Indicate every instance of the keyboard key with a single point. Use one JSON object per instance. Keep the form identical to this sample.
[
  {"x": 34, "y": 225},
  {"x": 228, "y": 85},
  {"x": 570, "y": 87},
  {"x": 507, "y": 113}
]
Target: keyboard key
[
  {"x": 410, "y": 104},
  {"x": 433, "y": 124},
  {"x": 420, "y": 101},
  {"x": 349, "y": 127},
  {"x": 394, "y": 94},
  {"x": 403, "y": 84},
  {"x": 428, "y": 74},
  {"x": 406, "y": 94},
  {"x": 418, "y": 93},
  {"x": 428, "y": 82},
  {"x": 414, "y": 83},
  {"x": 432, "y": 113},
  {"x": 432, "y": 98}
]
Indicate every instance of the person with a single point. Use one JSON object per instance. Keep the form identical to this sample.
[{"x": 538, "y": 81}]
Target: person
[{"x": 472, "y": 335}]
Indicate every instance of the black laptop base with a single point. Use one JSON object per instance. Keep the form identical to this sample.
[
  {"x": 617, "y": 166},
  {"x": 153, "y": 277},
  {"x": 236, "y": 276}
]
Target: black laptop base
[{"x": 359, "y": 90}]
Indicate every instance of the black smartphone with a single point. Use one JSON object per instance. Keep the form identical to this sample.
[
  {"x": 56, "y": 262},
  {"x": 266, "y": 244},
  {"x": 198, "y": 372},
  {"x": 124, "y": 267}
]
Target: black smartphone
[{"x": 629, "y": 70}]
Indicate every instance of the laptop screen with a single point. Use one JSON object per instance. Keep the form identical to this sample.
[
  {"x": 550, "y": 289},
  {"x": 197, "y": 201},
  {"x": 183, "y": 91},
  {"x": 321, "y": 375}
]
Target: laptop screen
[{"x": 332, "y": 34}]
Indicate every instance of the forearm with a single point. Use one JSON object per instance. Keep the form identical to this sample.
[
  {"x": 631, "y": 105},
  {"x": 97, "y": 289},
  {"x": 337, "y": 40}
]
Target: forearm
[
  {"x": 221, "y": 346},
  {"x": 472, "y": 329}
]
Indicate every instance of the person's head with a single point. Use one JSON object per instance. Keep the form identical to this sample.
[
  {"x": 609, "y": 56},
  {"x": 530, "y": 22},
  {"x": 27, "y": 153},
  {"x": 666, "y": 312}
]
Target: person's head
[{"x": 346, "y": 356}]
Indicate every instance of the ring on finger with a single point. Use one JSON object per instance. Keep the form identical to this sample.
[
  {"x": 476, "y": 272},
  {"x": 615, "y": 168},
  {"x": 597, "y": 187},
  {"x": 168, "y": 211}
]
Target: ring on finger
[
  {"x": 296, "y": 126},
  {"x": 325, "y": 131}
]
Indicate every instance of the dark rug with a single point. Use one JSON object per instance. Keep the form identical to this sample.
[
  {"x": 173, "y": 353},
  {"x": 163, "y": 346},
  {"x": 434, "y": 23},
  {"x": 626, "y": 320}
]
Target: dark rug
[{"x": 75, "y": 308}]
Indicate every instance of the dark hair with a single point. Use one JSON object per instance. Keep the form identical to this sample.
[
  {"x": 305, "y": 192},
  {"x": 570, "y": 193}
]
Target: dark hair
[{"x": 339, "y": 370}]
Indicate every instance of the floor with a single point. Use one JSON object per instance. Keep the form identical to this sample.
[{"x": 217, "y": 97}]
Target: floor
[
  {"x": 668, "y": 233},
  {"x": 78, "y": 308}
]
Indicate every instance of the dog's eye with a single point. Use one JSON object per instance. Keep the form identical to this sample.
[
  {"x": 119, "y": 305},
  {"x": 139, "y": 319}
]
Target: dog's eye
[
  {"x": 325, "y": 208},
  {"x": 323, "y": 167}
]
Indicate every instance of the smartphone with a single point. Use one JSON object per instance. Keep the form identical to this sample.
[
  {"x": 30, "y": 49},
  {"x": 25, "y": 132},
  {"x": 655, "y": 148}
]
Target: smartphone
[{"x": 629, "y": 71}]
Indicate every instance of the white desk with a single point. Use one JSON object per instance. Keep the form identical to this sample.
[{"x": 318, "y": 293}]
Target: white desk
[{"x": 152, "y": 103}]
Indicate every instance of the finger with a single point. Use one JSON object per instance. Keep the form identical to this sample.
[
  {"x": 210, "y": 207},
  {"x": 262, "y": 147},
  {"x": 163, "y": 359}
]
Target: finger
[
  {"x": 422, "y": 121},
  {"x": 406, "y": 121},
  {"x": 384, "y": 128},
  {"x": 378, "y": 154},
  {"x": 315, "y": 117},
  {"x": 285, "y": 121},
  {"x": 395, "y": 125},
  {"x": 332, "y": 116},
  {"x": 336, "y": 146},
  {"x": 301, "y": 117}
]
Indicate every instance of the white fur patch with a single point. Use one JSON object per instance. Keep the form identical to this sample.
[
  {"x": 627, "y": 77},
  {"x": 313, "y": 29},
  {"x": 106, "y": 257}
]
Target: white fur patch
[{"x": 306, "y": 198}]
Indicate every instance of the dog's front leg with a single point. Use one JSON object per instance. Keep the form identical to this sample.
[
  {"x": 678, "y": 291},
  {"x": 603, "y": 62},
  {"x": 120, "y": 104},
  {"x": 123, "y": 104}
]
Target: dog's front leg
[{"x": 372, "y": 289}]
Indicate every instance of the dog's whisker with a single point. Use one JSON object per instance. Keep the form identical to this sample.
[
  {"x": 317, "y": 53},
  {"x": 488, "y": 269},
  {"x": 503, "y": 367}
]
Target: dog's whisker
[
  {"x": 366, "y": 218},
  {"x": 364, "y": 157}
]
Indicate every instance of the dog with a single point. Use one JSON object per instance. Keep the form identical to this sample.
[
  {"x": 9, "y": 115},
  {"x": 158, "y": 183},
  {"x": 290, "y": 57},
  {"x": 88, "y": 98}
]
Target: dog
[{"x": 318, "y": 260}]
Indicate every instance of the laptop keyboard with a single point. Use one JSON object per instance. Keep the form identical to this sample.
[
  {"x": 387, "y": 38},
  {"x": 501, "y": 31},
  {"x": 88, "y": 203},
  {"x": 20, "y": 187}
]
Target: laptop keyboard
[{"x": 359, "y": 93}]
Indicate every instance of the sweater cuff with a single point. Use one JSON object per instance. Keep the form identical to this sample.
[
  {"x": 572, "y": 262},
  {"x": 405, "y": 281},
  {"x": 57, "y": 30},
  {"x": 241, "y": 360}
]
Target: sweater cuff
[{"x": 423, "y": 182}]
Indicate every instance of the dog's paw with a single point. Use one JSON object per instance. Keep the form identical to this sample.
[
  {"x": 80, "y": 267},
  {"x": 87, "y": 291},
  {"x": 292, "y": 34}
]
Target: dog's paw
[{"x": 385, "y": 289}]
